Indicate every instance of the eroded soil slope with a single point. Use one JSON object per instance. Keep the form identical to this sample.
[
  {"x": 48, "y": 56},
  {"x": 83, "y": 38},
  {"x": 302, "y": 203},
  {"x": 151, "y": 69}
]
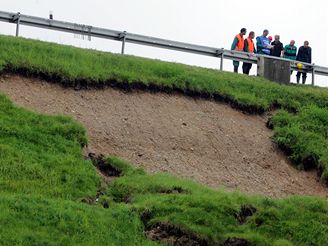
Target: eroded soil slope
[{"x": 202, "y": 140}]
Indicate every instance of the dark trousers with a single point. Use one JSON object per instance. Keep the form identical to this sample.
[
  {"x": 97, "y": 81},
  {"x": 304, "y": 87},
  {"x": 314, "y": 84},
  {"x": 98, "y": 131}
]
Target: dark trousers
[
  {"x": 298, "y": 77},
  {"x": 247, "y": 67},
  {"x": 235, "y": 66}
]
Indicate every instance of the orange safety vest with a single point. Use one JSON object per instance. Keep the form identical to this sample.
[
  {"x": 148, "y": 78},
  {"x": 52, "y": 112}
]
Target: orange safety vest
[
  {"x": 251, "y": 47},
  {"x": 240, "y": 46}
]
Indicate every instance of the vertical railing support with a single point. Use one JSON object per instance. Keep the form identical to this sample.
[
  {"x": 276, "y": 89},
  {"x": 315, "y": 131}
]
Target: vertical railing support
[
  {"x": 221, "y": 64},
  {"x": 313, "y": 75},
  {"x": 16, "y": 18},
  {"x": 220, "y": 53},
  {"x": 122, "y": 37}
]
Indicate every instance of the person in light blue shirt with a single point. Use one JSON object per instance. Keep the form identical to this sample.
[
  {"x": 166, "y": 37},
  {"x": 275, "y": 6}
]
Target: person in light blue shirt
[{"x": 263, "y": 44}]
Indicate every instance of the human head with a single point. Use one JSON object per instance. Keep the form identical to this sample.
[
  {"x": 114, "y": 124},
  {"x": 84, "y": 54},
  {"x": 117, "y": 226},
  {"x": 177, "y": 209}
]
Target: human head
[
  {"x": 265, "y": 32},
  {"x": 306, "y": 44},
  {"x": 276, "y": 37},
  {"x": 251, "y": 35},
  {"x": 243, "y": 31},
  {"x": 292, "y": 43}
]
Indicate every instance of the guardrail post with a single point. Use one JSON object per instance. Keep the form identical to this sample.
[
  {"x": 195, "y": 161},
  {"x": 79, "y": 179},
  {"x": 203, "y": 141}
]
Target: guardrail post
[
  {"x": 220, "y": 53},
  {"x": 313, "y": 75},
  {"x": 122, "y": 36},
  {"x": 16, "y": 18},
  {"x": 221, "y": 64},
  {"x": 17, "y": 27}
]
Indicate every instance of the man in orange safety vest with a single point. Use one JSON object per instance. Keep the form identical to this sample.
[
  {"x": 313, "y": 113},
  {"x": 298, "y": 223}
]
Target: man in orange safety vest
[
  {"x": 238, "y": 45},
  {"x": 249, "y": 47}
]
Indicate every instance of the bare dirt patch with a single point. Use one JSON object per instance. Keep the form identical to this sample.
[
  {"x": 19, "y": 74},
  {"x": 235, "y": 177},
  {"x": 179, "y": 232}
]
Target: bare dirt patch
[
  {"x": 172, "y": 235},
  {"x": 103, "y": 166},
  {"x": 202, "y": 140}
]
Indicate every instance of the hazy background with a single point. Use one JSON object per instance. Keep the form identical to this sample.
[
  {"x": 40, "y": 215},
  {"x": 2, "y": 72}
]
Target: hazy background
[{"x": 207, "y": 22}]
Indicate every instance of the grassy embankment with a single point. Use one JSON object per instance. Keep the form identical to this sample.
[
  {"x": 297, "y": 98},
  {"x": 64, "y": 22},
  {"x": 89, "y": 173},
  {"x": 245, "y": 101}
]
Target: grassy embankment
[
  {"x": 43, "y": 176},
  {"x": 302, "y": 131}
]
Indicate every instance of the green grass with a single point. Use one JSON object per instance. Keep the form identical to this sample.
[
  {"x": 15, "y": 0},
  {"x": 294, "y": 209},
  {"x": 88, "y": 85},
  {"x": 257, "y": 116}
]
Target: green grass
[
  {"x": 212, "y": 214},
  {"x": 305, "y": 136},
  {"x": 44, "y": 177},
  {"x": 59, "y": 171},
  {"x": 35, "y": 220}
]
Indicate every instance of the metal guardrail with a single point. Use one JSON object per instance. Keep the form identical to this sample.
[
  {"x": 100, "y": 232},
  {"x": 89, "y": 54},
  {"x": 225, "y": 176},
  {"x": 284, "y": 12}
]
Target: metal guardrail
[{"x": 126, "y": 37}]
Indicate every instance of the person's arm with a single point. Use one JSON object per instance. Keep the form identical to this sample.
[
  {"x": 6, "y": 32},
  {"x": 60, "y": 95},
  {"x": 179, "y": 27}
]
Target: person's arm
[
  {"x": 299, "y": 54},
  {"x": 234, "y": 44},
  {"x": 310, "y": 55},
  {"x": 285, "y": 48},
  {"x": 282, "y": 50},
  {"x": 259, "y": 43},
  {"x": 245, "y": 46},
  {"x": 272, "y": 48},
  {"x": 294, "y": 52}
]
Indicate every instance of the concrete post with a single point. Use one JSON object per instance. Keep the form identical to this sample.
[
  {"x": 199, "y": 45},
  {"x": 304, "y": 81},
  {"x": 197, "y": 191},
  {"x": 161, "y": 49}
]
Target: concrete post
[{"x": 274, "y": 70}]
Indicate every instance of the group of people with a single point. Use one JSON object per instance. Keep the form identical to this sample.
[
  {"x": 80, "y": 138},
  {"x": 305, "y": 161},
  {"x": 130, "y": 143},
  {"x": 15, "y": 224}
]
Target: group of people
[{"x": 265, "y": 45}]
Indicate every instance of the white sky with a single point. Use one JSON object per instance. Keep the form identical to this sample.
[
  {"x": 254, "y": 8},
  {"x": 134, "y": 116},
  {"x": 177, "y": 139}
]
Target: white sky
[{"x": 207, "y": 22}]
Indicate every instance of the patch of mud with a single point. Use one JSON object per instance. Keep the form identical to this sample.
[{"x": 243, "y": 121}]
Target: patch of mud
[
  {"x": 310, "y": 163},
  {"x": 172, "y": 235},
  {"x": 103, "y": 166},
  {"x": 202, "y": 140}
]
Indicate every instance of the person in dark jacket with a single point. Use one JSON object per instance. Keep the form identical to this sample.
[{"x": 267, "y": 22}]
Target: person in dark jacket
[
  {"x": 278, "y": 48},
  {"x": 249, "y": 47},
  {"x": 304, "y": 55}
]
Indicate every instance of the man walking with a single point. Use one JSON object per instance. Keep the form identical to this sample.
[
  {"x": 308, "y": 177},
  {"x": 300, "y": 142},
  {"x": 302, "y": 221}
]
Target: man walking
[
  {"x": 249, "y": 47},
  {"x": 304, "y": 55},
  {"x": 278, "y": 48},
  {"x": 263, "y": 44},
  {"x": 238, "y": 45}
]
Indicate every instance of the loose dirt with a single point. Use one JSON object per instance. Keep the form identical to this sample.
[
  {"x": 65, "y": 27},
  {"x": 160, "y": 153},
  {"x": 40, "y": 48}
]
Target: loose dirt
[
  {"x": 205, "y": 141},
  {"x": 171, "y": 235}
]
